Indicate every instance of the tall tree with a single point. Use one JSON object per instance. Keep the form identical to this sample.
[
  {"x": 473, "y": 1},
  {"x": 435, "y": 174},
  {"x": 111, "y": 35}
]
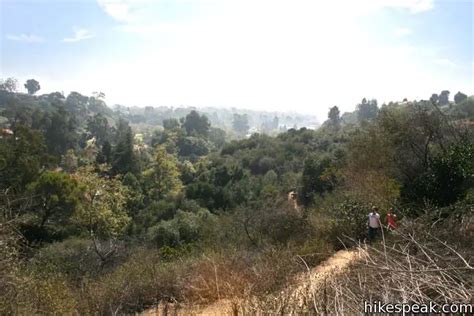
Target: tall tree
[
  {"x": 170, "y": 124},
  {"x": 98, "y": 127},
  {"x": 217, "y": 136},
  {"x": 61, "y": 134},
  {"x": 459, "y": 97},
  {"x": 124, "y": 159},
  {"x": 32, "y": 86},
  {"x": 317, "y": 178},
  {"x": 367, "y": 110},
  {"x": 105, "y": 155},
  {"x": 334, "y": 117},
  {"x": 240, "y": 123},
  {"x": 434, "y": 98},
  {"x": 444, "y": 97},
  {"x": 9, "y": 84},
  {"x": 69, "y": 161},
  {"x": 196, "y": 125},
  {"x": 102, "y": 212},
  {"x": 162, "y": 179},
  {"x": 97, "y": 103},
  {"x": 22, "y": 156},
  {"x": 78, "y": 104}
]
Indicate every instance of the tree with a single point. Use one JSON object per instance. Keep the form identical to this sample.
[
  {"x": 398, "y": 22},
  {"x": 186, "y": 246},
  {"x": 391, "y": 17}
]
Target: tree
[
  {"x": 57, "y": 195},
  {"x": 105, "y": 155},
  {"x": 369, "y": 166},
  {"x": 98, "y": 127},
  {"x": 459, "y": 97},
  {"x": 69, "y": 161},
  {"x": 162, "y": 179},
  {"x": 196, "y": 125},
  {"x": 444, "y": 97},
  {"x": 448, "y": 178},
  {"x": 22, "y": 156},
  {"x": 434, "y": 98},
  {"x": 98, "y": 95},
  {"x": 191, "y": 146},
  {"x": 77, "y": 103},
  {"x": 8, "y": 85},
  {"x": 367, "y": 110},
  {"x": 124, "y": 159},
  {"x": 61, "y": 133},
  {"x": 334, "y": 118},
  {"x": 102, "y": 212},
  {"x": 32, "y": 86},
  {"x": 275, "y": 122},
  {"x": 17, "y": 112},
  {"x": 55, "y": 95},
  {"x": 217, "y": 136},
  {"x": 317, "y": 178},
  {"x": 465, "y": 109},
  {"x": 240, "y": 123},
  {"x": 135, "y": 197},
  {"x": 171, "y": 123},
  {"x": 96, "y": 103}
]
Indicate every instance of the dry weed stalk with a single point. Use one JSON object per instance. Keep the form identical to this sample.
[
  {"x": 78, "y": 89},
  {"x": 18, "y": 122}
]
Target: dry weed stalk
[{"x": 407, "y": 269}]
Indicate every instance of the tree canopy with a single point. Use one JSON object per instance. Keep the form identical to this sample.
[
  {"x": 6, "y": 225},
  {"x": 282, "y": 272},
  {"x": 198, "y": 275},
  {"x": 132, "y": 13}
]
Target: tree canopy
[{"x": 32, "y": 86}]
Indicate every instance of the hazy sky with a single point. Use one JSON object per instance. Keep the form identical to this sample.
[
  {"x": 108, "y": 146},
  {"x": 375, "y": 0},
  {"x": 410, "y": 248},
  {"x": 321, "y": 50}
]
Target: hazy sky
[{"x": 297, "y": 55}]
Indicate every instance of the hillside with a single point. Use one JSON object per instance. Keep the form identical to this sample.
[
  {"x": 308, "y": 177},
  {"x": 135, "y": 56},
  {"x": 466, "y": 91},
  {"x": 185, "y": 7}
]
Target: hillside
[{"x": 101, "y": 214}]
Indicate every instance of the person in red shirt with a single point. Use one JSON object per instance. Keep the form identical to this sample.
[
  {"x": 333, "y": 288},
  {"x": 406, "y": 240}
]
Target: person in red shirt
[{"x": 391, "y": 219}]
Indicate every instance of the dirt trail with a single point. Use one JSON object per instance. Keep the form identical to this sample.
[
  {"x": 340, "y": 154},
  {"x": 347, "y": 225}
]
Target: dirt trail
[
  {"x": 307, "y": 283},
  {"x": 303, "y": 284}
]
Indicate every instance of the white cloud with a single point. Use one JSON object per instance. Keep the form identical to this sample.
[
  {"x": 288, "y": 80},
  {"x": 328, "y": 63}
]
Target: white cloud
[
  {"x": 123, "y": 10},
  {"x": 117, "y": 10},
  {"x": 27, "y": 38},
  {"x": 445, "y": 62},
  {"x": 79, "y": 35},
  {"x": 402, "y": 32}
]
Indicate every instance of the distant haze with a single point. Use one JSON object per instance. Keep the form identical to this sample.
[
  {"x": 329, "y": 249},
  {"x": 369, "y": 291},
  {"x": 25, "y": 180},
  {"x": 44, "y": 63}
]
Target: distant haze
[{"x": 302, "y": 56}]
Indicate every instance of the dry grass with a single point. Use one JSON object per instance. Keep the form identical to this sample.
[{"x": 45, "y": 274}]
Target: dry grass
[{"x": 406, "y": 267}]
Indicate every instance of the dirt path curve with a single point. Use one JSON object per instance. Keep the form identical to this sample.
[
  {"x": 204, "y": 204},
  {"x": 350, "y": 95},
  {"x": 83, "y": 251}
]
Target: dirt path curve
[
  {"x": 307, "y": 283},
  {"x": 303, "y": 284}
]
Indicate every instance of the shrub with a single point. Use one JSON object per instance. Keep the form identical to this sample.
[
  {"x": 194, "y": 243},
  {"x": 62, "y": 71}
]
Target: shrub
[
  {"x": 165, "y": 233},
  {"x": 74, "y": 258},
  {"x": 9, "y": 266},
  {"x": 335, "y": 222},
  {"x": 185, "y": 227},
  {"x": 140, "y": 282},
  {"x": 46, "y": 295}
]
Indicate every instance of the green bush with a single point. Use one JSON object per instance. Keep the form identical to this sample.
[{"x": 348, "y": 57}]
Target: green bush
[
  {"x": 185, "y": 227},
  {"x": 140, "y": 282},
  {"x": 75, "y": 258},
  {"x": 335, "y": 223},
  {"x": 165, "y": 233},
  {"x": 448, "y": 178}
]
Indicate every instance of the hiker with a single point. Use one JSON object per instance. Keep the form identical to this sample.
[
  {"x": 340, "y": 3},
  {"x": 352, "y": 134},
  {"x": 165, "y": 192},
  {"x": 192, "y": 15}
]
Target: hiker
[
  {"x": 374, "y": 224},
  {"x": 391, "y": 219}
]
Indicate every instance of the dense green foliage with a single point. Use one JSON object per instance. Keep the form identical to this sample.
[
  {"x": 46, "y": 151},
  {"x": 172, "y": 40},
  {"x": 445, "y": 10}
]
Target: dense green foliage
[{"x": 90, "y": 191}]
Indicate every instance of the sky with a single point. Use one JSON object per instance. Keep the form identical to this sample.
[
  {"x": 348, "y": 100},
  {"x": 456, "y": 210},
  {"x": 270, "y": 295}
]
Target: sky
[{"x": 278, "y": 55}]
